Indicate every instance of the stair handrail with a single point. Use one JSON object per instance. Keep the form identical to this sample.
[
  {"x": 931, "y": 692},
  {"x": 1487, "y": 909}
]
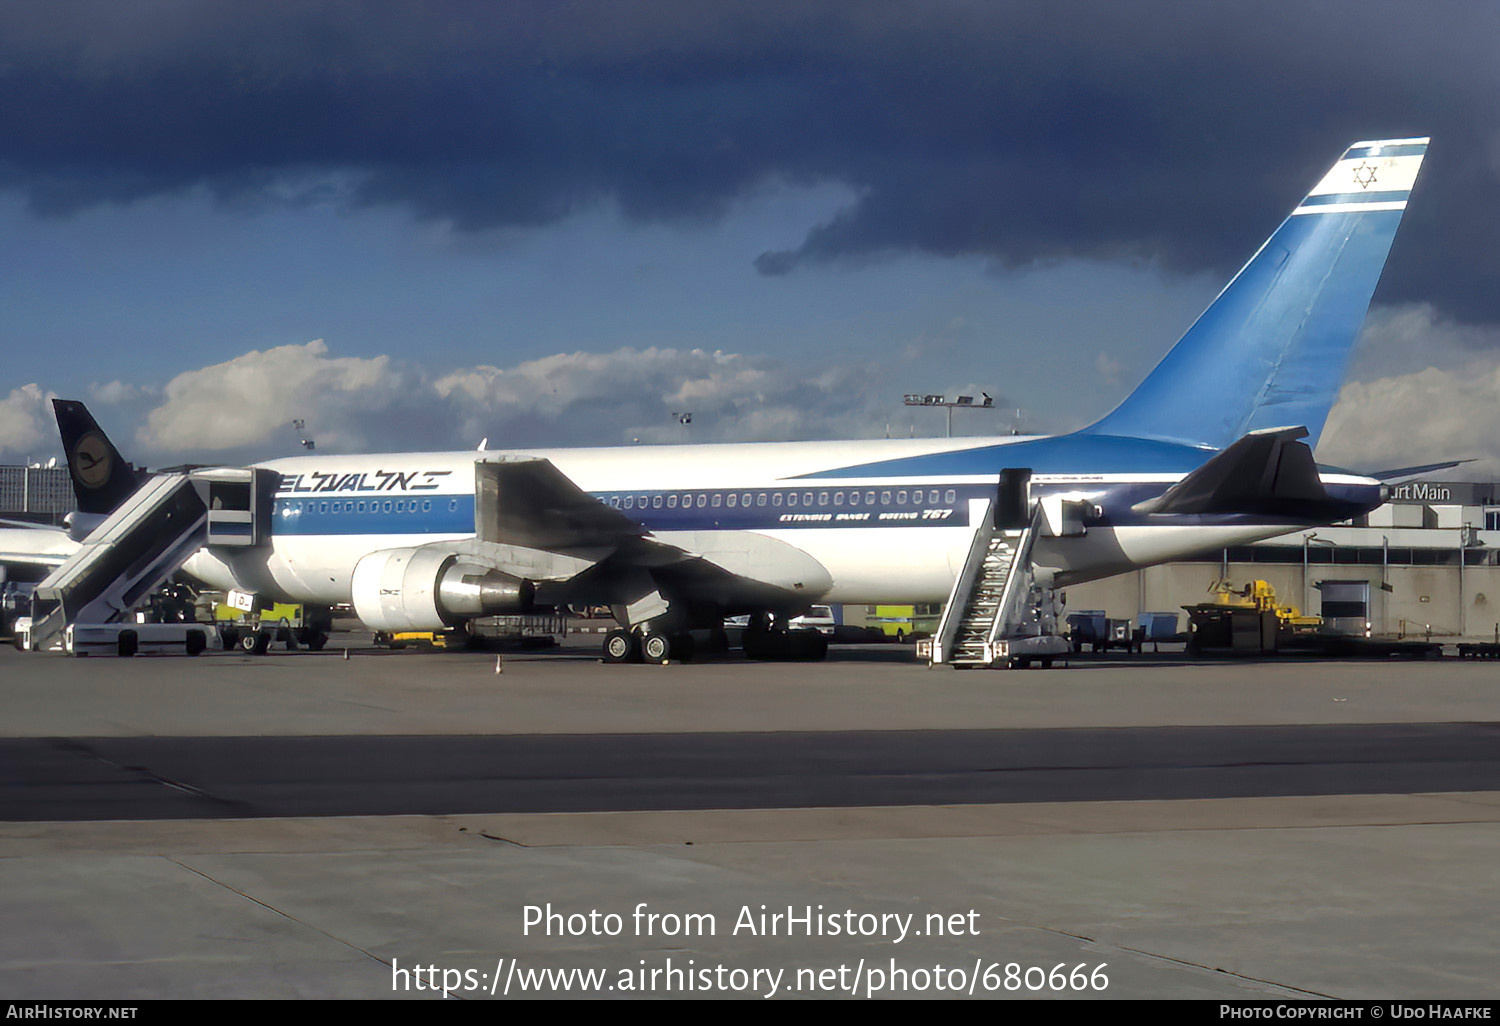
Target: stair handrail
[
  {"x": 963, "y": 585},
  {"x": 1019, "y": 577}
]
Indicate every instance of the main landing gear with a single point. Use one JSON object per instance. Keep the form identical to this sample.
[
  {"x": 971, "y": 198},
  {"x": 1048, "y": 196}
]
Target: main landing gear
[
  {"x": 625, "y": 646},
  {"x": 800, "y": 646},
  {"x": 761, "y": 644}
]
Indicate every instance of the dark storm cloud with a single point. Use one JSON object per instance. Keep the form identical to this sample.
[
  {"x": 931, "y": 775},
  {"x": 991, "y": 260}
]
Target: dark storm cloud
[{"x": 1175, "y": 132}]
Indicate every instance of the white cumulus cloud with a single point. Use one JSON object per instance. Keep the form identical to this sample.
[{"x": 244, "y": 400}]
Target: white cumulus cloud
[
  {"x": 1424, "y": 390},
  {"x": 26, "y": 422},
  {"x": 251, "y": 401},
  {"x": 243, "y": 409}
]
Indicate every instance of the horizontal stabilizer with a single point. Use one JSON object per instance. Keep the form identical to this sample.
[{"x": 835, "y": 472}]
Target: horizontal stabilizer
[
  {"x": 1401, "y": 474},
  {"x": 1265, "y": 472}
]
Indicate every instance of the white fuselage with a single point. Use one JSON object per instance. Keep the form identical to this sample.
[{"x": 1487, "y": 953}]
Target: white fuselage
[{"x": 888, "y": 519}]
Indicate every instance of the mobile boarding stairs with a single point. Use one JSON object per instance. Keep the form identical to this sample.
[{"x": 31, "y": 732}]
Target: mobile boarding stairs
[
  {"x": 996, "y": 615},
  {"x": 142, "y": 543}
]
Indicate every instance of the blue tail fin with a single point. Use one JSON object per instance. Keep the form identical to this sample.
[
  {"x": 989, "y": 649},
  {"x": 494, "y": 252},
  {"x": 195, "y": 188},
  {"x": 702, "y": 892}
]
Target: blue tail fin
[{"x": 1272, "y": 349}]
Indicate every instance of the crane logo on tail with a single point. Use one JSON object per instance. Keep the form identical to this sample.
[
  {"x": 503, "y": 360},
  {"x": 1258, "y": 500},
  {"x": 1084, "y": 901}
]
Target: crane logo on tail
[{"x": 91, "y": 460}]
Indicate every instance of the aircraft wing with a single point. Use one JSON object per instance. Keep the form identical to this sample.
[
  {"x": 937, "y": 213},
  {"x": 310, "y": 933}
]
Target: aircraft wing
[
  {"x": 530, "y": 504},
  {"x": 1265, "y": 472},
  {"x": 30, "y": 559},
  {"x": 34, "y": 547}
]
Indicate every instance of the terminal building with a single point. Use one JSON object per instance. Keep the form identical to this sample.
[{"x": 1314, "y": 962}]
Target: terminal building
[{"x": 40, "y": 494}]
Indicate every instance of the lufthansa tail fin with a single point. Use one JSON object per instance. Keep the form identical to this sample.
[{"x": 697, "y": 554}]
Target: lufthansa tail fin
[
  {"x": 1273, "y": 347},
  {"x": 101, "y": 477}
]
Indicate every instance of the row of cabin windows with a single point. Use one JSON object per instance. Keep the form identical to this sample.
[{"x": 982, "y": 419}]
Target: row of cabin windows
[
  {"x": 363, "y": 506},
  {"x": 792, "y": 500}
]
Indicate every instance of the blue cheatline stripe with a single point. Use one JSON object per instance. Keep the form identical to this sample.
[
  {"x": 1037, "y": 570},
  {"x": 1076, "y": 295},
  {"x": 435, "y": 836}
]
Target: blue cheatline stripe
[
  {"x": 1063, "y": 454},
  {"x": 794, "y": 507},
  {"x": 1408, "y": 150},
  {"x": 810, "y": 505},
  {"x": 807, "y": 505},
  {"x": 1394, "y": 196},
  {"x": 430, "y": 514}
]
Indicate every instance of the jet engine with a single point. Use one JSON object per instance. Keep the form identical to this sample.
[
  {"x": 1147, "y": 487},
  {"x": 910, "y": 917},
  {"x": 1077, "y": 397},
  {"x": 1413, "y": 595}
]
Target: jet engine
[{"x": 428, "y": 588}]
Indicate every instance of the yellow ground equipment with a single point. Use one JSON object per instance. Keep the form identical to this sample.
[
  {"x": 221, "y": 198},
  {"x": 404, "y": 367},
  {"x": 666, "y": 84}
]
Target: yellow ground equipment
[
  {"x": 1247, "y": 620},
  {"x": 903, "y": 623},
  {"x": 254, "y": 630},
  {"x": 400, "y": 639}
]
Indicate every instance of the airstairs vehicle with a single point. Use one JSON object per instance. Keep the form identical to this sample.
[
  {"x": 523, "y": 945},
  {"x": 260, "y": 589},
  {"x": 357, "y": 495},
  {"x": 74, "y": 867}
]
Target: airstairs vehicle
[{"x": 87, "y": 604}]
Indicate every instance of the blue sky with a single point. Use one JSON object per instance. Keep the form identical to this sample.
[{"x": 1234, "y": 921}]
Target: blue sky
[{"x": 412, "y": 225}]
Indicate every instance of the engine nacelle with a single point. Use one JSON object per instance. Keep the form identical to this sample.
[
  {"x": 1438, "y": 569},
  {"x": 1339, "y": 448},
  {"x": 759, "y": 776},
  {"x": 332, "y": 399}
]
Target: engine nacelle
[{"x": 426, "y": 589}]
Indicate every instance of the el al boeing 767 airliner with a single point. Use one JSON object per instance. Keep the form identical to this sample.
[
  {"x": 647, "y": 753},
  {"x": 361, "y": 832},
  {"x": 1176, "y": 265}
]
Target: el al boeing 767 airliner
[{"x": 1203, "y": 454}]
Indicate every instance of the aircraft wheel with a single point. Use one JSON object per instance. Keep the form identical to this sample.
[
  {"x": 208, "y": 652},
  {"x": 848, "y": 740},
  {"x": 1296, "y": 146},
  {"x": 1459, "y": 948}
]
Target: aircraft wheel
[
  {"x": 620, "y": 647},
  {"x": 806, "y": 646},
  {"x": 656, "y": 648},
  {"x": 255, "y": 642},
  {"x": 762, "y": 645}
]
